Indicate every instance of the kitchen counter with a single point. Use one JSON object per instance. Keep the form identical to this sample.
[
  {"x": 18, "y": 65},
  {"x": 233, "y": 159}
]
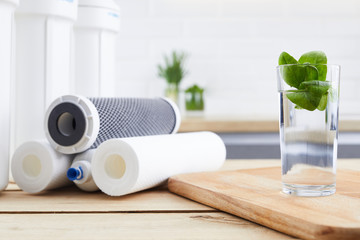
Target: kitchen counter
[
  {"x": 254, "y": 139},
  {"x": 233, "y": 125},
  {"x": 69, "y": 213}
]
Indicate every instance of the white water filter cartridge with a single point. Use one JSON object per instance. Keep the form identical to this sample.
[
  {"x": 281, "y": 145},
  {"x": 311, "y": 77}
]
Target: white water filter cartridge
[
  {"x": 37, "y": 167},
  {"x": 96, "y": 29},
  {"x": 7, "y": 8},
  {"x": 123, "y": 166},
  {"x": 74, "y": 124},
  {"x": 80, "y": 171},
  {"x": 44, "y": 30}
]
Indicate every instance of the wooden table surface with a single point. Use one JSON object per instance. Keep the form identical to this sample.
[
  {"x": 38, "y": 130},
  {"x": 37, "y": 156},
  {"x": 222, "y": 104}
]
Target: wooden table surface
[
  {"x": 157, "y": 214},
  {"x": 238, "y": 124}
]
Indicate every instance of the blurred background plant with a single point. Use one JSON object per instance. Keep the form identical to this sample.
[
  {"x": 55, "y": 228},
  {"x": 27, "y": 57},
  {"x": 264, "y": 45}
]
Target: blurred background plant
[
  {"x": 194, "y": 98},
  {"x": 173, "y": 72}
]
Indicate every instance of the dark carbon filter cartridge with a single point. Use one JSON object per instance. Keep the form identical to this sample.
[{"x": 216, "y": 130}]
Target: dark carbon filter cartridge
[{"x": 74, "y": 124}]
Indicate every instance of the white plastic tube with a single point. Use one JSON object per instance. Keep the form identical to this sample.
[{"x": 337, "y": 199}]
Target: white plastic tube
[
  {"x": 123, "y": 166},
  {"x": 80, "y": 171},
  {"x": 44, "y": 30},
  {"x": 7, "y": 8},
  {"x": 37, "y": 167},
  {"x": 95, "y": 40}
]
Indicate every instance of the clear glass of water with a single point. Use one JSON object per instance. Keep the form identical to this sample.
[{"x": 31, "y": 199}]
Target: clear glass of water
[{"x": 309, "y": 138}]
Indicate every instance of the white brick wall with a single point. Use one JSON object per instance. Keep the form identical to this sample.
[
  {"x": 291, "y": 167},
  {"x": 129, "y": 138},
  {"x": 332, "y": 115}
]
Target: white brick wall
[{"x": 233, "y": 46}]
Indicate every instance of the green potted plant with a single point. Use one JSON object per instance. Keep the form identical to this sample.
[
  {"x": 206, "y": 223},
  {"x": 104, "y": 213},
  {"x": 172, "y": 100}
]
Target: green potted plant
[
  {"x": 194, "y": 98},
  {"x": 173, "y": 72}
]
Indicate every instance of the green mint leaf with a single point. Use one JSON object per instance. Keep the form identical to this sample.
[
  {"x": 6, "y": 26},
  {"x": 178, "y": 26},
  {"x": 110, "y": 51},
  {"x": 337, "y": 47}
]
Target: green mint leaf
[
  {"x": 311, "y": 73},
  {"x": 308, "y": 75},
  {"x": 286, "y": 58},
  {"x": 313, "y": 95},
  {"x": 315, "y": 86},
  {"x": 304, "y": 99},
  {"x": 323, "y": 102},
  {"x": 293, "y": 75},
  {"x": 316, "y": 57}
]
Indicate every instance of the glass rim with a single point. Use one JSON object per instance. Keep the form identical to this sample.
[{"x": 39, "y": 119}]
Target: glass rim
[{"x": 308, "y": 64}]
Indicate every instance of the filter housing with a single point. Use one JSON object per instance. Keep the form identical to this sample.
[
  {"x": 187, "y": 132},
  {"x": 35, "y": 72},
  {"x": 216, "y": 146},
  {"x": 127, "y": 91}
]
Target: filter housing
[
  {"x": 44, "y": 32},
  {"x": 95, "y": 34},
  {"x": 7, "y": 8}
]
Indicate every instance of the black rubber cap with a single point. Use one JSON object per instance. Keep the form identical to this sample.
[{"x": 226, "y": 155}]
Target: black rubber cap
[{"x": 78, "y": 124}]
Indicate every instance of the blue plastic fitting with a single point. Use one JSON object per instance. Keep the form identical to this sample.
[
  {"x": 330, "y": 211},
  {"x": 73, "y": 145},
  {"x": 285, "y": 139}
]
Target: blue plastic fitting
[{"x": 74, "y": 174}]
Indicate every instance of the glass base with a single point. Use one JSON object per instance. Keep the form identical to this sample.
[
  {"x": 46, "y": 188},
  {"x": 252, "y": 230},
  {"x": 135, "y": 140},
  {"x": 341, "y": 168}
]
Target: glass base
[{"x": 309, "y": 190}]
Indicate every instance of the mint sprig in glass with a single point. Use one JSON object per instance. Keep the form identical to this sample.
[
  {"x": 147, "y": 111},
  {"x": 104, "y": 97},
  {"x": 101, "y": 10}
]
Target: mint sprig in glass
[
  {"x": 308, "y": 76},
  {"x": 308, "y": 123}
]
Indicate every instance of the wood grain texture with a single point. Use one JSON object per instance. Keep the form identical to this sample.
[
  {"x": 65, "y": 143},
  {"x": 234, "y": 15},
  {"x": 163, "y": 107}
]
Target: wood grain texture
[
  {"x": 159, "y": 226},
  {"x": 255, "y": 194},
  {"x": 234, "y": 164},
  {"x": 153, "y": 214},
  {"x": 240, "y": 124},
  {"x": 71, "y": 199},
  {"x": 227, "y": 125}
]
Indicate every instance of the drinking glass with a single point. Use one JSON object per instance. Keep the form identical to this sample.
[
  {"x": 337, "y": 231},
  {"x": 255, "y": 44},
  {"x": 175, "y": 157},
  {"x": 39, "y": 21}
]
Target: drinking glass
[{"x": 309, "y": 138}]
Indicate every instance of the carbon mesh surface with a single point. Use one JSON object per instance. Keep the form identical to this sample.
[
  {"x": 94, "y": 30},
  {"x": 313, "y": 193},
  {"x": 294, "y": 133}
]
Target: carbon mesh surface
[{"x": 131, "y": 117}]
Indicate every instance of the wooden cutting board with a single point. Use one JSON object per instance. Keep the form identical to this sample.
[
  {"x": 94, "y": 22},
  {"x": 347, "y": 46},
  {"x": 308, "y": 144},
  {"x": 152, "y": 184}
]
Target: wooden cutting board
[{"x": 255, "y": 194}]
